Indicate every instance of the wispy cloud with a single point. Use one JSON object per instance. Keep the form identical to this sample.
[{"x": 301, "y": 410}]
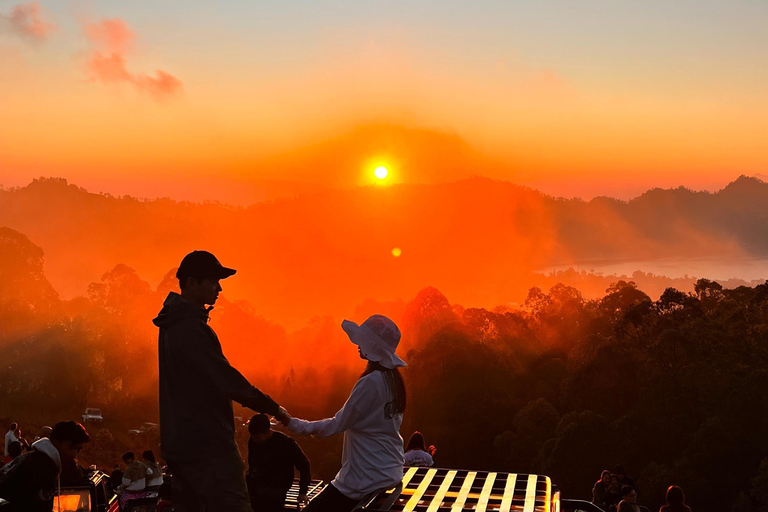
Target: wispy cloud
[
  {"x": 111, "y": 41},
  {"x": 26, "y": 20}
]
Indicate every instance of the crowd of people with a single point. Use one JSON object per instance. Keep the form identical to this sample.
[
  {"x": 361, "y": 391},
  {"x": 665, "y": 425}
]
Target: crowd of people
[
  {"x": 197, "y": 388},
  {"x": 140, "y": 479},
  {"x": 32, "y": 479},
  {"x": 617, "y": 492},
  {"x": 16, "y": 443}
]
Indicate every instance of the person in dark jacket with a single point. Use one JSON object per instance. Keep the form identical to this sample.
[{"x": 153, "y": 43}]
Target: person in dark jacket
[
  {"x": 628, "y": 501},
  {"x": 675, "y": 500},
  {"x": 600, "y": 490},
  {"x": 116, "y": 477},
  {"x": 271, "y": 459},
  {"x": 197, "y": 386},
  {"x": 30, "y": 481},
  {"x": 14, "y": 450},
  {"x": 623, "y": 479},
  {"x": 613, "y": 492}
]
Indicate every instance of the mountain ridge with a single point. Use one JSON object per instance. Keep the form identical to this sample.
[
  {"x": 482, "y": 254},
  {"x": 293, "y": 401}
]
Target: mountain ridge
[{"x": 478, "y": 240}]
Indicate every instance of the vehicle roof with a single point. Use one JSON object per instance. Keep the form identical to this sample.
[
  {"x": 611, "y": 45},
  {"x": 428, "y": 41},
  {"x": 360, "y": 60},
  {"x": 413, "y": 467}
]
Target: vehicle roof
[{"x": 439, "y": 490}]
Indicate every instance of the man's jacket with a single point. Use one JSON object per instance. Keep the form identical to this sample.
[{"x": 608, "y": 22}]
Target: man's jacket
[
  {"x": 271, "y": 463},
  {"x": 197, "y": 386},
  {"x": 30, "y": 480}
]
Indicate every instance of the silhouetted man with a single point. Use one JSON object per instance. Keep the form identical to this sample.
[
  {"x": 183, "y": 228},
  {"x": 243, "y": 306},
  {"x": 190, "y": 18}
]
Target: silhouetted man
[
  {"x": 10, "y": 437},
  {"x": 271, "y": 459},
  {"x": 29, "y": 482},
  {"x": 622, "y": 478},
  {"x": 45, "y": 431},
  {"x": 197, "y": 386}
]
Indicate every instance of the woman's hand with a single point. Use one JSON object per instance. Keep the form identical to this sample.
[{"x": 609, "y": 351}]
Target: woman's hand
[{"x": 283, "y": 416}]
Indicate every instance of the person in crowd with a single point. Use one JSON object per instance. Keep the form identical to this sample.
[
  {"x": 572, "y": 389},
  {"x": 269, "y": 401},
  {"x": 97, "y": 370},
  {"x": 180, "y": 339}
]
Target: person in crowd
[
  {"x": 116, "y": 477},
  {"x": 272, "y": 457},
  {"x": 155, "y": 480},
  {"x": 10, "y": 437},
  {"x": 14, "y": 450},
  {"x": 44, "y": 432},
  {"x": 675, "y": 500},
  {"x": 134, "y": 479},
  {"x": 30, "y": 481},
  {"x": 622, "y": 477},
  {"x": 22, "y": 440},
  {"x": 628, "y": 501},
  {"x": 416, "y": 452},
  {"x": 372, "y": 457},
  {"x": 197, "y": 386},
  {"x": 600, "y": 490},
  {"x": 613, "y": 495},
  {"x": 73, "y": 473}
]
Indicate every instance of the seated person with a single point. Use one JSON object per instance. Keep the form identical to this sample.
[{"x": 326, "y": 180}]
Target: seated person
[
  {"x": 116, "y": 478},
  {"x": 155, "y": 480},
  {"x": 14, "y": 450},
  {"x": 134, "y": 479},
  {"x": 30, "y": 481},
  {"x": 600, "y": 490},
  {"x": 675, "y": 500},
  {"x": 628, "y": 501},
  {"x": 417, "y": 453},
  {"x": 73, "y": 474},
  {"x": 271, "y": 459}
]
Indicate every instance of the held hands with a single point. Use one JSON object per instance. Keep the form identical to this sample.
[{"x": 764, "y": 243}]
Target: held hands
[{"x": 283, "y": 416}]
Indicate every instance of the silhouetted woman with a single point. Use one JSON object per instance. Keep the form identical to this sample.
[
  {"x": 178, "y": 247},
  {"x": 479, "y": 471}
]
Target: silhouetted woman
[
  {"x": 155, "y": 480},
  {"x": 600, "y": 490},
  {"x": 675, "y": 500},
  {"x": 416, "y": 452},
  {"x": 372, "y": 456}
]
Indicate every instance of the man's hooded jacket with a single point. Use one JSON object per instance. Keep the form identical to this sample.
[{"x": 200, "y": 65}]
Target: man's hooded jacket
[
  {"x": 29, "y": 482},
  {"x": 197, "y": 386}
]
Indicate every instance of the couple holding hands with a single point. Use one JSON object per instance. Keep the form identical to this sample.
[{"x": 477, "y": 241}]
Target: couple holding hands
[{"x": 197, "y": 386}]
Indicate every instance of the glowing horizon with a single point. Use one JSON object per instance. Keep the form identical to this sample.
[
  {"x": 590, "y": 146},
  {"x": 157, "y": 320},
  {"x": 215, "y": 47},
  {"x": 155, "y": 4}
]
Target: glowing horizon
[{"x": 154, "y": 100}]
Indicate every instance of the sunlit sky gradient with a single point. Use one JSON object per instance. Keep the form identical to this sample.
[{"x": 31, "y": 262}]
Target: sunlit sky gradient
[{"x": 573, "y": 97}]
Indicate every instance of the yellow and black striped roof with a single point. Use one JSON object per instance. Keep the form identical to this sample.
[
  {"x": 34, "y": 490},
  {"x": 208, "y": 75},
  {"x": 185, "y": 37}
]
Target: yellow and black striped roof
[{"x": 450, "y": 490}]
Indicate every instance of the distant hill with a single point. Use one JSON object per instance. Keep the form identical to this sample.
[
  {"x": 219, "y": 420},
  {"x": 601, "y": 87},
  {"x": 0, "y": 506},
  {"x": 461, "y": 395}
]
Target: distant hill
[{"x": 477, "y": 240}]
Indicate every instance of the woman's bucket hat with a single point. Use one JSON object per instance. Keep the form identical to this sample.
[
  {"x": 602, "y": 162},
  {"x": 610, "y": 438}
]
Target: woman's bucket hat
[{"x": 377, "y": 338}]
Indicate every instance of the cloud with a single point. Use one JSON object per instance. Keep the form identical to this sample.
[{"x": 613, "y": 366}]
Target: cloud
[
  {"x": 110, "y": 35},
  {"x": 26, "y": 20},
  {"x": 111, "y": 41}
]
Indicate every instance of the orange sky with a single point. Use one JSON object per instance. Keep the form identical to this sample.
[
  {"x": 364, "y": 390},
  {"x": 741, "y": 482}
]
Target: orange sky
[{"x": 150, "y": 101}]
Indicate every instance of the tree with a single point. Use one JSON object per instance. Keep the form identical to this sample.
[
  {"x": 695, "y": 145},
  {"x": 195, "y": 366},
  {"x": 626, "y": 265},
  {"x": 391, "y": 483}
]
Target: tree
[{"x": 27, "y": 299}]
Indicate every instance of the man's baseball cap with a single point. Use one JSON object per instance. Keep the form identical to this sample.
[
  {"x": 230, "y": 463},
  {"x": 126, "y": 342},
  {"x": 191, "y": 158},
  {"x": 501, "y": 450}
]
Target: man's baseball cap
[{"x": 202, "y": 265}]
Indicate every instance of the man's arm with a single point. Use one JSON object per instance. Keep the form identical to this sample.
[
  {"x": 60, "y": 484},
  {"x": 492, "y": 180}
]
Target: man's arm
[
  {"x": 301, "y": 462},
  {"x": 203, "y": 354}
]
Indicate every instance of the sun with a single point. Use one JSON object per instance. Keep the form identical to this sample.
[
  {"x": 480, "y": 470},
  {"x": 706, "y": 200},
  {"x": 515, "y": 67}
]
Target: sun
[{"x": 381, "y": 172}]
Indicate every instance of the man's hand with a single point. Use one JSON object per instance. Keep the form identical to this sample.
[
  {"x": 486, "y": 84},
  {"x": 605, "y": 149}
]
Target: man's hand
[
  {"x": 302, "y": 499},
  {"x": 283, "y": 416}
]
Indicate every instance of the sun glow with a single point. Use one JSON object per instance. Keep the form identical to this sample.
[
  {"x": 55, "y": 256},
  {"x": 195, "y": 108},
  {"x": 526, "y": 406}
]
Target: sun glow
[{"x": 381, "y": 172}]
